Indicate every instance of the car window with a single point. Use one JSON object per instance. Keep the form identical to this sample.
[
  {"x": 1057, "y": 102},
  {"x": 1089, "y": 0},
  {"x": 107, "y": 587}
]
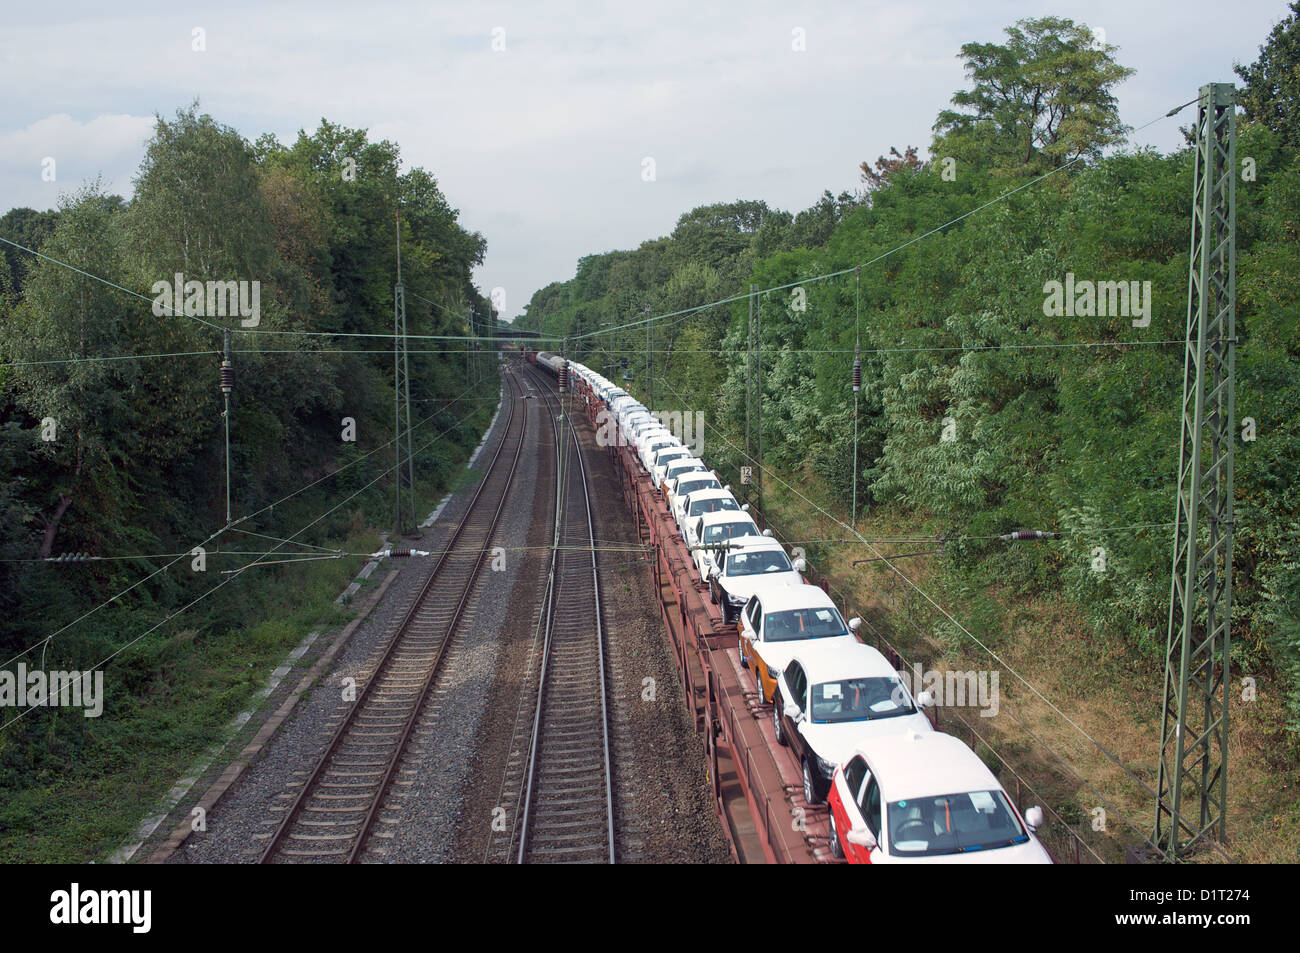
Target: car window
[
  {"x": 870, "y": 805},
  {"x": 953, "y": 824},
  {"x": 794, "y": 624},
  {"x": 755, "y": 612},
  {"x": 854, "y": 772},
  {"x": 860, "y": 699},
  {"x": 761, "y": 561},
  {"x": 798, "y": 682},
  {"x": 720, "y": 532},
  {"x": 717, "y": 505},
  {"x": 689, "y": 486}
]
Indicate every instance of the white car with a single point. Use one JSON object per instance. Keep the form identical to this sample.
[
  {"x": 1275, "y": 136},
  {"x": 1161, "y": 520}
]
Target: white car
[
  {"x": 680, "y": 468},
  {"x": 663, "y": 454},
  {"x": 668, "y": 456},
  {"x": 780, "y": 619},
  {"x": 831, "y": 695},
  {"x": 751, "y": 561},
  {"x": 708, "y": 533},
  {"x": 699, "y": 495},
  {"x": 924, "y": 797}
]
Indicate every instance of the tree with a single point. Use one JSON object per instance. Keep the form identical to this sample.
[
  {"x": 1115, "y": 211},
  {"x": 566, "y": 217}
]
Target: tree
[
  {"x": 1040, "y": 100},
  {"x": 886, "y": 166},
  {"x": 1272, "y": 91},
  {"x": 80, "y": 406},
  {"x": 30, "y": 229}
]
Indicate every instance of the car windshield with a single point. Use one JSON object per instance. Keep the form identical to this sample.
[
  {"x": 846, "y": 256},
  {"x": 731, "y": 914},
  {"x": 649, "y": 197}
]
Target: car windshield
[
  {"x": 677, "y": 469},
  {"x": 767, "y": 560},
  {"x": 802, "y": 624},
  {"x": 859, "y": 699},
  {"x": 668, "y": 455},
  {"x": 720, "y": 532},
  {"x": 953, "y": 824},
  {"x": 689, "y": 484},
  {"x": 716, "y": 505}
]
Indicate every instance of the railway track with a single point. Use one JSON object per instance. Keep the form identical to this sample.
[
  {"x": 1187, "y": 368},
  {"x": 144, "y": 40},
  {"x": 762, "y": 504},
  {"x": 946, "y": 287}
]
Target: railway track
[
  {"x": 559, "y": 772},
  {"x": 339, "y": 808}
]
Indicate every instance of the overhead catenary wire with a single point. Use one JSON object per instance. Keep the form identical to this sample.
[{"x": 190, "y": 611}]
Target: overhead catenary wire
[
  {"x": 681, "y": 350},
  {"x": 878, "y": 258},
  {"x": 229, "y": 578},
  {"x": 243, "y": 519},
  {"x": 947, "y": 615},
  {"x": 111, "y": 284},
  {"x": 900, "y": 575}
]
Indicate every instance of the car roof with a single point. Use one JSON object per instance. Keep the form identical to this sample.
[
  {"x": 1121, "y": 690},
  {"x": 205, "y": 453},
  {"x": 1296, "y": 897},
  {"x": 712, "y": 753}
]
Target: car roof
[
  {"x": 711, "y": 493},
  {"x": 754, "y": 543},
  {"x": 796, "y": 595},
  {"x": 925, "y": 764},
  {"x": 727, "y": 516},
  {"x": 647, "y": 440},
  {"x": 845, "y": 660}
]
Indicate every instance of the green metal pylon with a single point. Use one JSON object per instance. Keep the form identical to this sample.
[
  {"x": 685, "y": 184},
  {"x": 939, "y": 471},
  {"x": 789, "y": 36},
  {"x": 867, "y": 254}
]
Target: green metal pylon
[{"x": 1194, "y": 728}]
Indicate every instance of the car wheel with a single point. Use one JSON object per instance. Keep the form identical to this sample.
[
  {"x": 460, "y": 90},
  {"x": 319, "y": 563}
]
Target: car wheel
[
  {"x": 837, "y": 849},
  {"x": 809, "y": 788},
  {"x": 776, "y": 719}
]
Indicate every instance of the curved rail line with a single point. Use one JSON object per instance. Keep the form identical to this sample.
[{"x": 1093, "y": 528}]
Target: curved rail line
[
  {"x": 568, "y": 803},
  {"x": 336, "y": 808}
]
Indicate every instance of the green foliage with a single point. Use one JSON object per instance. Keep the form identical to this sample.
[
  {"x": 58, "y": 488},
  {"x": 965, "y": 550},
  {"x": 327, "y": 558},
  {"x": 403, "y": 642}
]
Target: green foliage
[
  {"x": 1078, "y": 440},
  {"x": 1271, "y": 95},
  {"x": 138, "y": 463},
  {"x": 1038, "y": 101}
]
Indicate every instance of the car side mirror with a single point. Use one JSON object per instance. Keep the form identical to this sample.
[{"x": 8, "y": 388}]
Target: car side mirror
[
  {"x": 862, "y": 837},
  {"x": 749, "y": 636},
  {"x": 792, "y": 711},
  {"x": 925, "y": 699},
  {"x": 1034, "y": 817},
  {"x": 800, "y": 564},
  {"x": 744, "y": 507},
  {"x": 854, "y": 624},
  {"x": 727, "y": 487},
  {"x": 767, "y": 533}
]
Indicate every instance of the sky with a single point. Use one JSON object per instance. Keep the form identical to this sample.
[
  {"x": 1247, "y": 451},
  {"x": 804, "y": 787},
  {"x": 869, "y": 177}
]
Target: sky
[{"x": 540, "y": 119}]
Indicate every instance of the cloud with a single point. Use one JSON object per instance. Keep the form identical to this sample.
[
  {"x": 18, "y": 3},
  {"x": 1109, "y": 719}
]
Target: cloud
[
  {"x": 74, "y": 152},
  {"x": 540, "y": 146}
]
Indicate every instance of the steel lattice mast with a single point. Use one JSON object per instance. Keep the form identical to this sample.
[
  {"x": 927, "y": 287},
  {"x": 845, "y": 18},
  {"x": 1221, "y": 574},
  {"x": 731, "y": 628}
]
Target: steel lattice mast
[{"x": 1191, "y": 798}]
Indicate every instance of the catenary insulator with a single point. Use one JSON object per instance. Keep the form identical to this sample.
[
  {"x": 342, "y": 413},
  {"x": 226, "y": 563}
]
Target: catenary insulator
[
  {"x": 857, "y": 374},
  {"x": 227, "y": 369},
  {"x": 564, "y": 376}
]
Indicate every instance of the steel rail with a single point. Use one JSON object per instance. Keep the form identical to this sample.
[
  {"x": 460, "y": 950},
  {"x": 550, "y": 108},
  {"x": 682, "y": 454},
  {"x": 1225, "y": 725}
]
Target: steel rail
[
  {"x": 342, "y": 730},
  {"x": 533, "y": 786}
]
